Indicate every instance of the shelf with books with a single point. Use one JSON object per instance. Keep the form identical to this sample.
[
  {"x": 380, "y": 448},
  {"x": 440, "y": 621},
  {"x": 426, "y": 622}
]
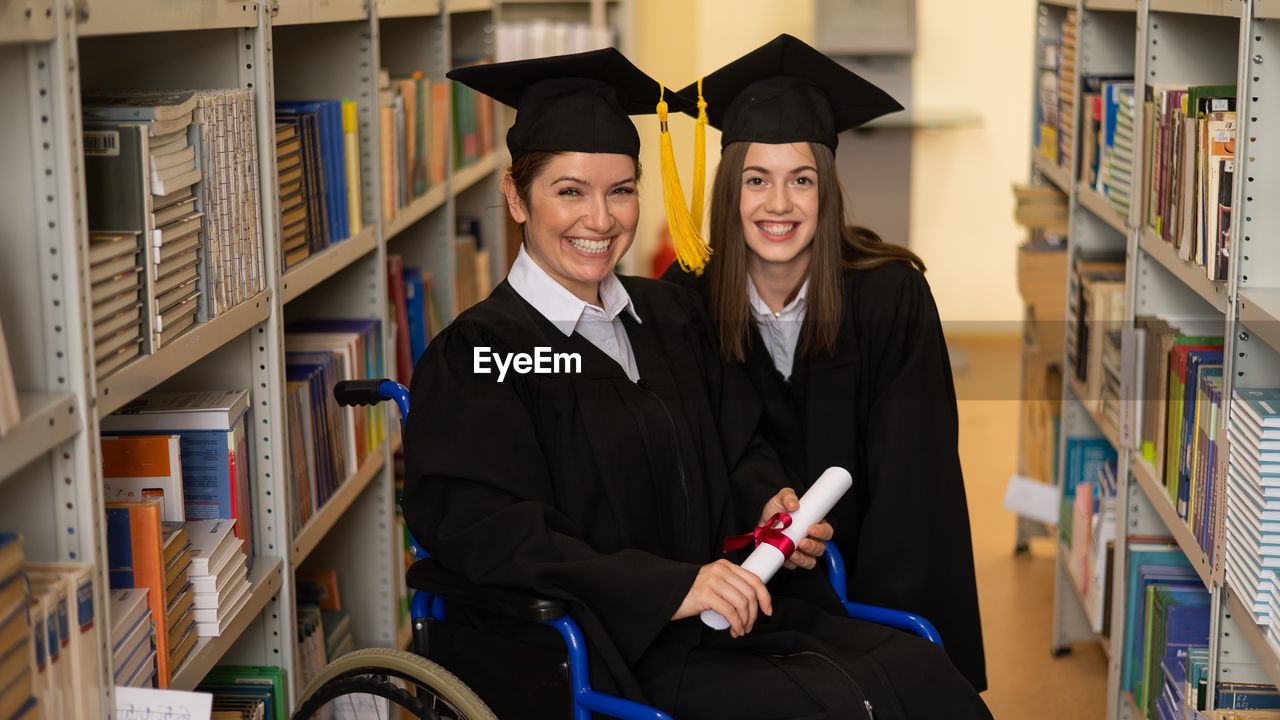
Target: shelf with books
[
  {"x": 27, "y": 22},
  {"x": 1177, "y": 527},
  {"x": 1056, "y": 174},
  {"x": 408, "y": 8},
  {"x": 465, "y": 177},
  {"x": 328, "y": 515},
  {"x": 433, "y": 200},
  {"x": 1260, "y": 312},
  {"x": 119, "y": 17},
  {"x": 1191, "y": 274},
  {"x": 1263, "y": 646},
  {"x": 327, "y": 263},
  {"x": 48, "y": 420},
  {"x": 148, "y": 371},
  {"x": 264, "y": 583},
  {"x": 460, "y": 6},
  {"x": 305, "y": 12},
  {"x": 1098, "y": 205},
  {"x": 1224, "y": 8}
]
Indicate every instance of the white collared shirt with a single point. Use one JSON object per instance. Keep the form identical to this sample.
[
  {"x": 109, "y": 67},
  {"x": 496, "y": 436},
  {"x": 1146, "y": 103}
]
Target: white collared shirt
[
  {"x": 780, "y": 330},
  {"x": 601, "y": 327}
]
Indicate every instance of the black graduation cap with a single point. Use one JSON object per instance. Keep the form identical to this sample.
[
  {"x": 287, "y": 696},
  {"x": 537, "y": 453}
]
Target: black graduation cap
[
  {"x": 571, "y": 103},
  {"x": 786, "y": 91}
]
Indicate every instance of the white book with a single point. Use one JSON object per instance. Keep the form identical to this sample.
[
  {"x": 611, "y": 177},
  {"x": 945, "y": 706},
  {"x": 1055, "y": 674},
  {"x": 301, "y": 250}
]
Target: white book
[
  {"x": 208, "y": 538},
  {"x": 124, "y": 607},
  {"x": 176, "y": 411},
  {"x": 220, "y": 610}
]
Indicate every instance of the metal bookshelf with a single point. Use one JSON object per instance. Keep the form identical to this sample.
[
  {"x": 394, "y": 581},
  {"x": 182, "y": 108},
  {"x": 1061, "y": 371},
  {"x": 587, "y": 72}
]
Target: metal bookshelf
[
  {"x": 1187, "y": 42},
  {"x": 48, "y": 420},
  {"x": 50, "y": 473}
]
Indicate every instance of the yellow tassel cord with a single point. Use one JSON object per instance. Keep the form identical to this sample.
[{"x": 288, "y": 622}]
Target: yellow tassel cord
[{"x": 692, "y": 252}]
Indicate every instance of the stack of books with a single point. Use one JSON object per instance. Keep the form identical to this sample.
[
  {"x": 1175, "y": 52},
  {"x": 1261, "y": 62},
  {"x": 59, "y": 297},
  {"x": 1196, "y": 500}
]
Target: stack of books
[
  {"x": 133, "y": 650},
  {"x": 235, "y": 269},
  {"x": 1067, "y": 89},
  {"x": 330, "y": 164},
  {"x": 20, "y": 682},
  {"x": 213, "y": 436},
  {"x": 70, "y": 588},
  {"x": 414, "y": 115},
  {"x": 158, "y": 130},
  {"x": 248, "y": 691},
  {"x": 1188, "y": 177},
  {"x": 218, "y": 574},
  {"x": 291, "y": 178},
  {"x": 180, "y": 619},
  {"x": 1253, "y": 502},
  {"x": 116, "y": 292},
  {"x": 1123, "y": 147},
  {"x": 143, "y": 552},
  {"x": 328, "y": 443}
]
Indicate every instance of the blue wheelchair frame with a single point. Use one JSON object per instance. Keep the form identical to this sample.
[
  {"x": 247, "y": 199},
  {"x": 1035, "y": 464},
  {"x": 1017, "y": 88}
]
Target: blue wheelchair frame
[{"x": 585, "y": 699}]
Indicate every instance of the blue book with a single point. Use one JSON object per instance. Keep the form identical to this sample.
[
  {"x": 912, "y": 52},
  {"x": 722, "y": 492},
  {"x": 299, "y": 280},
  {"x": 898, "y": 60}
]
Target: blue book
[
  {"x": 1246, "y": 696},
  {"x": 1148, "y": 563},
  {"x": 415, "y": 312},
  {"x": 1261, "y": 404},
  {"x": 317, "y": 379},
  {"x": 332, "y": 167}
]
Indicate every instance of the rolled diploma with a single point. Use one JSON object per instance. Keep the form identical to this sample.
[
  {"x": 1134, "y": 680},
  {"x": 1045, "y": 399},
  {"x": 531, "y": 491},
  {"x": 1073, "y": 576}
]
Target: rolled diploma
[{"x": 817, "y": 501}]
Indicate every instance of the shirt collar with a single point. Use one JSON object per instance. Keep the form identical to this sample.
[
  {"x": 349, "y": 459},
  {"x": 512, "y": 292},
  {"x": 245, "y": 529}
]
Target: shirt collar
[
  {"x": 556, "y": 303},
  {"x": 761, "y": 309}
]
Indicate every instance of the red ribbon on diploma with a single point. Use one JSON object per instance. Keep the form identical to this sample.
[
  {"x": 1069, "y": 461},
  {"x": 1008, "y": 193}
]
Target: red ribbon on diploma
[{"x": 766, "y": 533}]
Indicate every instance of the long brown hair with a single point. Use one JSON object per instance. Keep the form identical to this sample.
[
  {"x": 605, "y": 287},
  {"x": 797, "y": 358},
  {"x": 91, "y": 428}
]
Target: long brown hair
[{"x": 836, "y": 247}]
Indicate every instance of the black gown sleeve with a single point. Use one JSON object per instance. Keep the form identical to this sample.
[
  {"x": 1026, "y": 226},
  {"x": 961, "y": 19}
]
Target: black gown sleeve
[
  {"x": 479, "y": 496},
  {"x": 915, "y": 550}
]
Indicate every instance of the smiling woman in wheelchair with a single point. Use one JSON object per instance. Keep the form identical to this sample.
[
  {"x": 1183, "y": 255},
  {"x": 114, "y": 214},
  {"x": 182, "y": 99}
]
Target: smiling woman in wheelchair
[{"x": 609, "y": 474}]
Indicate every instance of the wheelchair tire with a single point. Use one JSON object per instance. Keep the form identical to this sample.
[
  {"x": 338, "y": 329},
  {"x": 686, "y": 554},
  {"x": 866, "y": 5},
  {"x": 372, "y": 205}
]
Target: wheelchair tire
[{"x": 432, "y": 693}]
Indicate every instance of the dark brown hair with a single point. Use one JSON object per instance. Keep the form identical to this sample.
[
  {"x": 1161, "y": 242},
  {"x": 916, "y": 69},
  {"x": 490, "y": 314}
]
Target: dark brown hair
[{"x": 836, "y": 247}]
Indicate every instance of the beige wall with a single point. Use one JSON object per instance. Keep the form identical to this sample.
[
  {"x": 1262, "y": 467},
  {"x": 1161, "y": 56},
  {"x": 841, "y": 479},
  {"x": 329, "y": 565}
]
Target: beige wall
[{"x": 974, "y": 56}]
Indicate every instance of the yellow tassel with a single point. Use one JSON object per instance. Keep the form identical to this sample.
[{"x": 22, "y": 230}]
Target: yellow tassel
[
  {"x": 692, "y": 251},
  {"x": 699, "y": 158}
]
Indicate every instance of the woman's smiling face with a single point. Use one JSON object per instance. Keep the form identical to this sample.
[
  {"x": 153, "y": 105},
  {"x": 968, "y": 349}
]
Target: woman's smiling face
[
  {"x": 779, "y": 202},
  {"x": 580, "y": 218}
]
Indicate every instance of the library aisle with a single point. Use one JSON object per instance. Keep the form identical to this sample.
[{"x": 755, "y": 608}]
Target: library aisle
[{"x": 1015, "y": 592}]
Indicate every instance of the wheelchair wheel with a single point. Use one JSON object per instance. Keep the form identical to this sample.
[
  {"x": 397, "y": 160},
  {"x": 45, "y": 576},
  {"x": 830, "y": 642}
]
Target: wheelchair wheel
[{"x": 376, "y": 682}]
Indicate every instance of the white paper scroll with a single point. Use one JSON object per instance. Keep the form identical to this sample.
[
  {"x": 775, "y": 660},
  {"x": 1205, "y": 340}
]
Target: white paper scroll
[{"x": 814, "y": 506}]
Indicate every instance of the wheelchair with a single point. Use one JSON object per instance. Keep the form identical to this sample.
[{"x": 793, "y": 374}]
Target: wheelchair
[{"x": 551, "y": 683}]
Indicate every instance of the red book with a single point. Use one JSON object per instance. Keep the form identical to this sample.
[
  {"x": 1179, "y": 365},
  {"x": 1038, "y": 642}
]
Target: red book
[{"x": 399, "y": 314}]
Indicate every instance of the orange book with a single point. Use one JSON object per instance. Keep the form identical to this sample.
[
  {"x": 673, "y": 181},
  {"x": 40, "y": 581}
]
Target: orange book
[
  {"x": 439, "y": 155},
  {"x": 135, "y": 557}
]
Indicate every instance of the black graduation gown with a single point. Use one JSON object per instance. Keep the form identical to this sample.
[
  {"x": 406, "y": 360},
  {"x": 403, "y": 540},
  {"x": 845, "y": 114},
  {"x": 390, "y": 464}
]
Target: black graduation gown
[
  {"x": 611, "y": 495},
  {"x": 883, "y": 406}
]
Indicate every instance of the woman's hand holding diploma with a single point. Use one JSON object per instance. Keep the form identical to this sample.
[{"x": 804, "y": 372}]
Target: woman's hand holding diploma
[
  {"x": 786, "y": 532},
  {"x": 735, "y": 593},
  {"x": 810, "y": 548}
]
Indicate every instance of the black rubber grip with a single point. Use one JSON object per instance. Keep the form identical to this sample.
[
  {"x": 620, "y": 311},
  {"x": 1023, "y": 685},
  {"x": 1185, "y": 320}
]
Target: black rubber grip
[{"x": 357, "y": 392}]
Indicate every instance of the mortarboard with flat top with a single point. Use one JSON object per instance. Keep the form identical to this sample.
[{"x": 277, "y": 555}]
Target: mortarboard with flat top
[
  {"x": 571, "y": 103},
  {"x": 786, "y": 91}
]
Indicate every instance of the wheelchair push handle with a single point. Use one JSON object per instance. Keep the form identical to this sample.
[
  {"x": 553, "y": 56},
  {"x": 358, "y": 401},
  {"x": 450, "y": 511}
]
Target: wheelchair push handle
[{"x": 372, "y": 392}]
